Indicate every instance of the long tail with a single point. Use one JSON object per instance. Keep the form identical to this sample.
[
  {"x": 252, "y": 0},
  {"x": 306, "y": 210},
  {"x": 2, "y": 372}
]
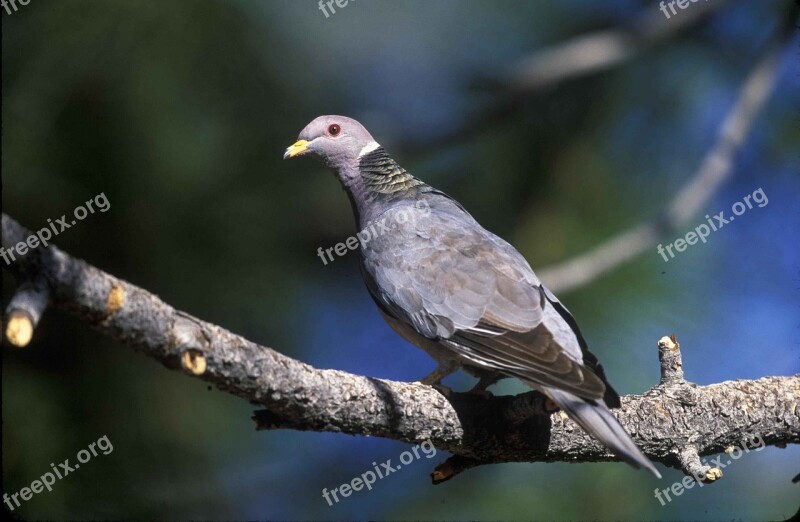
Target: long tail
[{"x": 597, "y": 420}]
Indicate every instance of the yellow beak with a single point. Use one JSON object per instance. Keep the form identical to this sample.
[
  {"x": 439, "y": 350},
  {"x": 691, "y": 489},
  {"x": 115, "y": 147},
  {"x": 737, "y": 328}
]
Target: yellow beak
[{"x": 296, "y": 149}]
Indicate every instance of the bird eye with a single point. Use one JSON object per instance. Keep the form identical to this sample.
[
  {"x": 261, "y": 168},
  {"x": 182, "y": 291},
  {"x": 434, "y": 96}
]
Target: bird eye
[{"x": 334, "y": 130}]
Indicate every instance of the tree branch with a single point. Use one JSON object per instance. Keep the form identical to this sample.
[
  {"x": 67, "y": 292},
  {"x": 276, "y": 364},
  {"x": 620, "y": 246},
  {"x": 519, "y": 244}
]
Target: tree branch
[
  {"x": 579, "y": 56},
  {"x": 664, "y": 421},
  {"x": 713, "y": 171},
  {"x": 600, "y": 50}
]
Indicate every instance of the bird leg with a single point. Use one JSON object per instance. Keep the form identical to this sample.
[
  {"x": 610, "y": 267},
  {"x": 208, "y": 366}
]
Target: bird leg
[
  {"x": 485, "y": 380},
  {"x": 444, "y": 369}
]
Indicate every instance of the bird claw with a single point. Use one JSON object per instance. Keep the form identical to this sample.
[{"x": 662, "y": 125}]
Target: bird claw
[
  {"x": 441, "y": 388},
  {"x": 444, "y": 390},
  {"x": 431, "y": 380}
]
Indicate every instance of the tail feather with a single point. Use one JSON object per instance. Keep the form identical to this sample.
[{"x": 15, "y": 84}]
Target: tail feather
[{"x": 597, "y": 420}]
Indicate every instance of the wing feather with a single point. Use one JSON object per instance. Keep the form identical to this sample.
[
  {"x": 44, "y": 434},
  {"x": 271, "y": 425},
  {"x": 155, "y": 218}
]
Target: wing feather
[{"x": 458, "y": 284}]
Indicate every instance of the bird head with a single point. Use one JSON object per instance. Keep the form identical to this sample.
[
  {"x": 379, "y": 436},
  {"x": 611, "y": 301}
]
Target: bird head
[{"x": 337, "y": 141}]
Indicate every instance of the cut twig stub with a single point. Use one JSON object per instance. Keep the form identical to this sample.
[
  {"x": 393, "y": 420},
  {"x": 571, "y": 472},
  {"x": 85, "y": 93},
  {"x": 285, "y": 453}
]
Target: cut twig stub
[
  {"x": 19, "y": 329},
  {"x": 194, "y": 362},
  {"x": 24, "y": 311},
  {"x": 669, "y": 355},
  {"x": 116, "y": 300},
  {"x": 691, "y": 465},
  {"x": 452, "y": 467}
]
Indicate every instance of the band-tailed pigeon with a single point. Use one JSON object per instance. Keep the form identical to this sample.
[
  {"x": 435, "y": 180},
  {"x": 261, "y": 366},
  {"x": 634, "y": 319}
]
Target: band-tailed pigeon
[{"x": 459, "y": 292}]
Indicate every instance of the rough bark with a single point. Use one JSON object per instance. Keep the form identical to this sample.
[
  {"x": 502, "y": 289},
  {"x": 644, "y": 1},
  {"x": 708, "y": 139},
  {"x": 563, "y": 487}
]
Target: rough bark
[{"x": 674, "y": 422}]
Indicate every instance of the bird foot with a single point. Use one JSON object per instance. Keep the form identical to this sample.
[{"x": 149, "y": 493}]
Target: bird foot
[
  {"x": 443, "y": 370},
  {"x": 432, "y": 380},
  {"x": 438, "y": 386},
  {"x": 441, "y": 388}
]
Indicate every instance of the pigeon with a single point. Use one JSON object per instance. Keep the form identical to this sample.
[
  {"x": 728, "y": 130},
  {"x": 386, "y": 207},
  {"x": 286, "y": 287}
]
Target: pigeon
[{"x": 459, "y": 292}]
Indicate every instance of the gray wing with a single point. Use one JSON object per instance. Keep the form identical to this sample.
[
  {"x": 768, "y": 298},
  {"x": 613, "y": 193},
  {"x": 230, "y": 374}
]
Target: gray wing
[{"x": 467, "y": 289}]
